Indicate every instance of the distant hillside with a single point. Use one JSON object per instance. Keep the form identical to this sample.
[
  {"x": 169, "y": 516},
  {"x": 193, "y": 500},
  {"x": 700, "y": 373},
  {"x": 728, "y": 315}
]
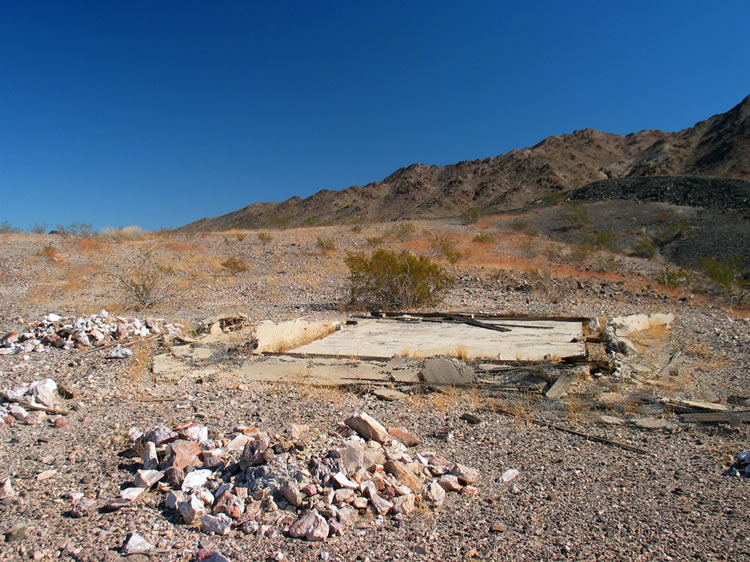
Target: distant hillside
[{"x": 719, "y": 146}]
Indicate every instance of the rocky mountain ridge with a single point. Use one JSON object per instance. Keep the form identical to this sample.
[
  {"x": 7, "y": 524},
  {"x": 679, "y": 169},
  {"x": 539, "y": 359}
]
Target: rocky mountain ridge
[{"x": 717, "y": 147}]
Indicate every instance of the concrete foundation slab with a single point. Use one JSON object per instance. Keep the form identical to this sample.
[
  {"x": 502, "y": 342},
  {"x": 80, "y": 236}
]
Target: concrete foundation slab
[{"x": 526, "y": 340}]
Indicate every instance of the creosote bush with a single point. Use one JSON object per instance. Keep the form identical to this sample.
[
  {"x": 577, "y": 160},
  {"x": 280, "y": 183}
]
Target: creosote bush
[
  {"x": 403, "y": 231},
  {"x": 390, "y": 280},
  {"x": 484, "y": 238},
  {"x": 234, "y": 265},
  {"x": 326, "y": 245},
  {"x": 264, "y": 237},
  {"x": 147, "y": 284},
  {"x": 442, "y": 245}
]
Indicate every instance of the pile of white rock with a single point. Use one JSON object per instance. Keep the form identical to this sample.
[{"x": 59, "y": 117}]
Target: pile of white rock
[
  {"x": 30, "y": 403},
  {"x": 84, "y": 331},
  {"x": 264, "y": 485}
]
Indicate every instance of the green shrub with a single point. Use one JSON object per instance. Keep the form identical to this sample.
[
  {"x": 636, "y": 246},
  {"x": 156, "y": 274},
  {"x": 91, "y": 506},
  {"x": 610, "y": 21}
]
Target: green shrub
[
  {"x": 519, "y": 225},
  {"x": 579, "y": 217},
  {"x": 387, "y": 280},
  {"x": 672, "y": 230},
  {"x": 234, "y": 265},
  {"x": 472, "y": 215},
  {"x": 600, "y": 240},
  {"x": 644, "y": 249},
  {"x": 484, "y": 238},
  {"x": 726, "y": 274},
  {"x": 672, "y": 277},
  {"x": 553, "y": 198}
]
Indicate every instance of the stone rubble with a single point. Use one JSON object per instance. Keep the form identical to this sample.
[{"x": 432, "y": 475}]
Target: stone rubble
[
  {"x": 311, "y": 487},
  {"x": 85, "y": 331}
]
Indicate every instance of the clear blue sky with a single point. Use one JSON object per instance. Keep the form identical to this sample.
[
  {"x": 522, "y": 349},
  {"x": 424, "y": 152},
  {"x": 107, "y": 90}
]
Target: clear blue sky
[{"x": 157, "y": 113}]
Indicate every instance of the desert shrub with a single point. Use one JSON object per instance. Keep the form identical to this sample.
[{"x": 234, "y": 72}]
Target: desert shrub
[
  {"x": 672, "y": 277},
  {"x": 389, "y": 280},
  {"x": 472, "y": 215},
  {"x": 600, "y": 240},
  {"x": 326, "y": 244},
  {"x": 124, "y": 233},
  {"x": 519, "y": 225},
  {"x": 38, "y": 228},
  {"x": 240, "y": 236},
  {"x": 484, "y": 238},
  {"x": 356, "y": 228},
  {"x": 672, "y": 230},
  {"x": 553, "y": 198},
  {"x": 607, "y": 262},
  {"x": 50, "y": 252},
  {"x": 644, "y": 249},
  {"x": 279, "y": 221},
  {"x": 147, "y": 284},
  {"x": 375, "y": 241},
  {"x": 444, "y": 246},
  {"x": 264, "y": 237},
  {"x": 726, "y": 274},
  {"x": 6, "y": 227},
  {"x": 234, "y": 265},
  {"x": 75, "y": 229},
  {"x": 402, "y": 231},
  {"x": 579, "y": 217}
]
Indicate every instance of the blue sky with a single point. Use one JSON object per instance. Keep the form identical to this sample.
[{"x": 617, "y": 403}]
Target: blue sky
[{"x": 158, "y": 113}]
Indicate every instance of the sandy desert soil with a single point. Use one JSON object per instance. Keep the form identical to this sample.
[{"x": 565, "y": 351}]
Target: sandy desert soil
[{"x": 573, "y": 498}]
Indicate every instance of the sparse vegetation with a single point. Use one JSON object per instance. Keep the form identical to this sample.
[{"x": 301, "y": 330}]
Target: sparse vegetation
[
  {"x": 6, "y": 227},
  {"x": 472, "y": 215},
  {"x": 234, "y": 265},
  {"x": 389, "y": 280},
  {"x": 123, "y": 234},
  {"x": 672, "y": 277},
  {"x": 147, "y": 283},
  {"x": 375, "y": 241},
  {"x": 553, "y": 198},
  {"x": 728, "y": 275},
  {"x": 38, "y": 228},
  {"x": 402, "y": 231},
  {"x": 264, "y": 237},
  {"x": 444, "y": 246},
  {"x": 519, "y": 225},
  {"x": 484, "y": 238},
  {"x": 326, "y": 245},
  {"x": 600, "y": 240},
  {"x": 644, "y": 248},
  {"x": 579, "y": 217}
]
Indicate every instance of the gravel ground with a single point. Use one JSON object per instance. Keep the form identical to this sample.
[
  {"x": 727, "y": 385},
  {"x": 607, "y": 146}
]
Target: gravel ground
[{"x": 573, "y": 499}]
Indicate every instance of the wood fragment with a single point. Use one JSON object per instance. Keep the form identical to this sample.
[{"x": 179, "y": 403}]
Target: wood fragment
[
  {"x": 735, "y": 418},
  {"x": 129, "y": 343},
  {"x": 561, "y": 386},
  {"x": 586, "y": 436},
  {"x": 668, "y": 367}
]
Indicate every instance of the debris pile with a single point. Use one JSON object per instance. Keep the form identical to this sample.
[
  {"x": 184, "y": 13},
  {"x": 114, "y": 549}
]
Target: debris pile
[
  {"x": 741, "y": 465},
  {"x": 85, "y": 331},
  {"x": 304, "y": 485},
  {"x": 29, "y": 403}
]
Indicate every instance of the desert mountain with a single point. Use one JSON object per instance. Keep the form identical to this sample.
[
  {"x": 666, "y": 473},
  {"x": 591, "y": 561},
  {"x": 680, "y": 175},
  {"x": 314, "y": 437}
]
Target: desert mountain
[{"x": 718, "y": 146}]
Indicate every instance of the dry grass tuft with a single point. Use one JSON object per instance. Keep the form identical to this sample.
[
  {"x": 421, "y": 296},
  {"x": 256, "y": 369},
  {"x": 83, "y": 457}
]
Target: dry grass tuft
[{"x": 139, "y": 364}]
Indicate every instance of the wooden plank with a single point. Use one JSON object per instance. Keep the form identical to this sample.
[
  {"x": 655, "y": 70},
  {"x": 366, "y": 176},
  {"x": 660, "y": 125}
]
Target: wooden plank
[
  {"x": 561, "y": 386},
  {"x": 735, "y": 418}
]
